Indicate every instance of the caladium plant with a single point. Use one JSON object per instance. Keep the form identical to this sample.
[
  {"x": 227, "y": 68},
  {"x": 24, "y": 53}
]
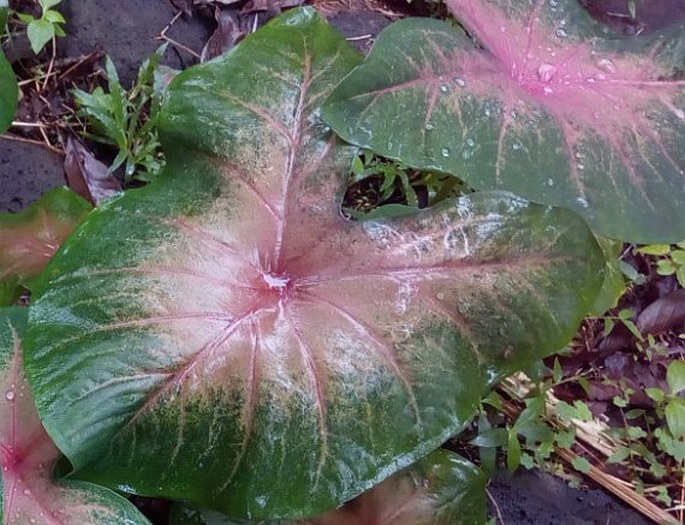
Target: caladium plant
[
  {"x": 226, "y": 337},
  {"x": 440, "y": 489},
  {"x": 29, "y": 239},
  {"x": 28, "y": 494},
  {"x": 538, "y": 99}
]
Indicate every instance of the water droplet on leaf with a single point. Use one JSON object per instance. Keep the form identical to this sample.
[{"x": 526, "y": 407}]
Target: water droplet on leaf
[
  {"x": 680, "y": 114},
  {"x": 546, "y": 72},
  {"x": 583, "y": 203},
  {"x": 516, "y": 146},
  {"x": 460, "y": 82},
  {"x": 550, "y": 182},
  {"x": 470, "y": 143},
  {"x": 444, "y": 88},
  {"x": 561, "y": 33},
  {"x": 445, "y": 152},
  {"x": 429, "y": 126},
  {"x": 10, "y": 395},
  {"x": 606, "y": 65}
]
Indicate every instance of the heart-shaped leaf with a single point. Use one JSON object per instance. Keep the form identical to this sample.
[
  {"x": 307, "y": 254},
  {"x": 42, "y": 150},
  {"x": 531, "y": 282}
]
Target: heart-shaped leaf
[
  {"x": 547, "y": 104},
  {"x": 226, "y": 337},
  {"x": 9, "y": 91},
  {"x": 29, "y": 239},
  {"x": 27, "y": 454},
  {"x": 440, "y": 489}
]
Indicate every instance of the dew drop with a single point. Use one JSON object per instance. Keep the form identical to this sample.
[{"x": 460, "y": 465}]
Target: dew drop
[
  {"x": 440, "y": 296},
  {"x": 561, "y": 33},
  {"x": 553, "y": 3},
  {"x": 460, "y": 82},
  {"x": 516, "y": 146},
  {"x": 445, "y": 152},
  {"x": 429, "y": 126},
  {"x": 590, "y": 80},
  {"x": 27, "y": 492},
  {"x": 680, "y": 114},
  {"x": 546, "y": 72},
  {"x": 470, "y": 143},
  {"x": 550, "y": 182},
  {"x": 583, "y": 203},
  {"x": 10, "y": 395},
  {"x": 444, "y": 88},
  {"x": 580, "y": 166},
  {"x": 606, "y": 65},
  {"x": 547, "y": 90},
  {"x": 487, "y": 112}
]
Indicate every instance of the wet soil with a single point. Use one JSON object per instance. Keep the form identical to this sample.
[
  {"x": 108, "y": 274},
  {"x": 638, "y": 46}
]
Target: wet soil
[
  {"x": 127, "y": 30},
  {"x": 537, "y": 498}
]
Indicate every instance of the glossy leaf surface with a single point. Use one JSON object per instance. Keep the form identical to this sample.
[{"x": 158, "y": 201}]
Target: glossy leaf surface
[
  {"x": 226, "y": 337},
  {"x": 27, "y": 454},
  {"x": 548, "y": 104},
  {"x": 440, "y": 489},
  {"x": 29, "y": 239}
]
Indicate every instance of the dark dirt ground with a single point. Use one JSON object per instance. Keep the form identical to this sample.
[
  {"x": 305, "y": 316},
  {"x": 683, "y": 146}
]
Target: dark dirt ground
[{"x": 126, "y": 30}]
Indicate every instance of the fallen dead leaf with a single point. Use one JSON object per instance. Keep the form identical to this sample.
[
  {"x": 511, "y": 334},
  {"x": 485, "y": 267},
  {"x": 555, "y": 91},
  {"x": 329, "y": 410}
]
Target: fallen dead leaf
[{"x": 86, "y": 175}]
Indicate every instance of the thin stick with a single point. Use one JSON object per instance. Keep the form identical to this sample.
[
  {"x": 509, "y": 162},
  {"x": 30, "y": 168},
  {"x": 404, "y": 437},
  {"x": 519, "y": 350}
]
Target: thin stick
[
  {"x": 362, "y": 37},
  {"x": 163, "y": 36},
  {"x": 494, "y": 503},
  {"x": 20, "y": 124},
  {"x": 682, "y": 495},
  {"x": 14, "y": 138},
  {"x": 51, "y": 64},
  {"x": 179, "y": 45},
  {"x": 622, "y": 491}
]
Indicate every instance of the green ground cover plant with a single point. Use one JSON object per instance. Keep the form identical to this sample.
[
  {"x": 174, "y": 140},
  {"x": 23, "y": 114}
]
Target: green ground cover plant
[{"x": 226, "y": 338}]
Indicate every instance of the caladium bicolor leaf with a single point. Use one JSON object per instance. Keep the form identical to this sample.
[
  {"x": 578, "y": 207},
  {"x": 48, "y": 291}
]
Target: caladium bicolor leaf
[
  {"x": 547, "y": 104},
  {"x": 440, "y": 489},
  {"x": 29, "y": 239},
  {"x": 28, "y": 494},
  {"x": 226, "y": 337}
]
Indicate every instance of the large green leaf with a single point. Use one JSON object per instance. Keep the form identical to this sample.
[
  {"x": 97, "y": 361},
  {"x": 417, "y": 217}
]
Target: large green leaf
[
  {"x": 9, "y": 92},
  {"x": 226, "y": 337},
  {"x": 29, "y": 239},
  {"x": 547, "y": 104},
  {"x": 28, "y": 494},
  {"x": 440, "y": 489}
]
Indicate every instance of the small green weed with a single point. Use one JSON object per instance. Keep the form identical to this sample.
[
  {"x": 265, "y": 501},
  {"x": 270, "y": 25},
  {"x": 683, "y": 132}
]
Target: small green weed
[
  {"x": 42, "y": 30},
  {"x": 670, "y": 259},
  {"x": 381, "y": 187},
  {"x": 127, "y": 120}
]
